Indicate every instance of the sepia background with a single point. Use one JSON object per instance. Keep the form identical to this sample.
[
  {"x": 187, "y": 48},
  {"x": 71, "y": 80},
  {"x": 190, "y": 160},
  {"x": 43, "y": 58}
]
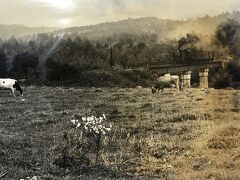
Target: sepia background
[{"x": 89, "y": 70}]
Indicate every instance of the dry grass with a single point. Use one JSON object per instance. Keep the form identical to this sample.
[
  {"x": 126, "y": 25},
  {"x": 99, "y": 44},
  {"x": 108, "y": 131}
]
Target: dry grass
[
  {"x": 216, "y": 152},
  {"x": 175, "y": 135}
]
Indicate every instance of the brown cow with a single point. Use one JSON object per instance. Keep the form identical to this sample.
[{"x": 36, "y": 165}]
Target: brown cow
[{"x": 166, "y": 81}]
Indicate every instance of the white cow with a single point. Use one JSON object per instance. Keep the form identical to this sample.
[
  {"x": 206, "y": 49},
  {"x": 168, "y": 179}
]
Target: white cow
[
  {"x": 12, "y": 84},
  {"x": 166, "y": 81}
]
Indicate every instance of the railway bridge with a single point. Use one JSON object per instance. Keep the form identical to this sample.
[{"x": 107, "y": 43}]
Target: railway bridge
[{"x": 187, "y": 61}]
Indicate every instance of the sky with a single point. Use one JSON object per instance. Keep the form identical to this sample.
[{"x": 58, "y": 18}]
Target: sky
[{"x": 67, "y": 13}]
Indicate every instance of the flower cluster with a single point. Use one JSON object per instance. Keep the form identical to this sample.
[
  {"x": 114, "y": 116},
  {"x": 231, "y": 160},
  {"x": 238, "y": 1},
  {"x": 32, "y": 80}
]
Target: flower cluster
[{"x": 93, "y": 124}]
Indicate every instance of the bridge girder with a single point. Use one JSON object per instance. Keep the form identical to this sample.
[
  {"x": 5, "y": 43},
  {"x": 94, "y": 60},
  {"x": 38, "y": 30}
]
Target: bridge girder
[{"x": 173, "y": 69}]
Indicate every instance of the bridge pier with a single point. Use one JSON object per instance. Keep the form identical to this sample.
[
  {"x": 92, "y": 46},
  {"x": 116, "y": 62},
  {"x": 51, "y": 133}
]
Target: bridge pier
[
  {"x": 186, "y": 79},
  {"x": 203, "y": 78}
]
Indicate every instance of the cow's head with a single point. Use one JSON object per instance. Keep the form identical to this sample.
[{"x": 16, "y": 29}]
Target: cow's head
[
  {"x": 172, "y": 85},
  {"x": 18, "y": 88},
  {"x": 154, "y": 90},
  {"x": 20, "y": 91}
]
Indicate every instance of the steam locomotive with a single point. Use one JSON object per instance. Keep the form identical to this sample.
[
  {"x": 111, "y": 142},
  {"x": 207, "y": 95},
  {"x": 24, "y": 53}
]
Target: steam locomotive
[{"x": 195, "y": 56}]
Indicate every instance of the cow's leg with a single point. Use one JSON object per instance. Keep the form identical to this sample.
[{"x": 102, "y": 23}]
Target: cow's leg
[
  {"x": 177, "y": 85},
  {"x": 13, "y": 92},
  {"x": 162, "y": 89}
]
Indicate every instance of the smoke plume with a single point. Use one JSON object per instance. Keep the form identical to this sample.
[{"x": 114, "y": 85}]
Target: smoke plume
[{"x": 228, "y": 36}]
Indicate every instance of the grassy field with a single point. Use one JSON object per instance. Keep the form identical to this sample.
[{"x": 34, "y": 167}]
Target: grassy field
[{"x": 190, "y": 134}]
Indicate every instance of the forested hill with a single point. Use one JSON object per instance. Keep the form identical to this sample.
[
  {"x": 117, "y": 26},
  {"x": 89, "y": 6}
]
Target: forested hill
[
  {"x": 164, "y": 28},
  {"x": 149, "y": 25},
  {"x": 6, "y": 31}
]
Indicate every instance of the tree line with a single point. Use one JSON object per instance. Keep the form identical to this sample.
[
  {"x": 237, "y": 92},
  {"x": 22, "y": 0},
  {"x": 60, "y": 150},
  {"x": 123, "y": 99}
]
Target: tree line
[
  {"x": 49, "y": 57},
  {"x": 62, "y": 57}
]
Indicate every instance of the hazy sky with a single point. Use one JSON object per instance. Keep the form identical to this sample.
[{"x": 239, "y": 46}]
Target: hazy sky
[{"x": 66, "y": 13}]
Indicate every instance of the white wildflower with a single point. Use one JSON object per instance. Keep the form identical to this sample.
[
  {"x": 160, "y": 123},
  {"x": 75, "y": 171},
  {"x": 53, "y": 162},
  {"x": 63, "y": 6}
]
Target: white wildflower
[
  {"x": 103, "y": 132},
  {"x": 78, "y": 125},
  {"x": 104, "y": 116},
  {"x": 93, "y": 124},
  {"x": 96, "y": 120},
  {"x": 90, "y": 118},
  {"x": 73, "y": 121},
  {"x": 34, "y": 178}
]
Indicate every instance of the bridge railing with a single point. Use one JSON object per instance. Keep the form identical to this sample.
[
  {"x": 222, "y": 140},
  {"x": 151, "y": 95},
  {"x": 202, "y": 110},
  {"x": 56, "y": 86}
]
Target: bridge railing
[
  {"x": 195, "y": 56},
  {"x": 186, "y": 57}
]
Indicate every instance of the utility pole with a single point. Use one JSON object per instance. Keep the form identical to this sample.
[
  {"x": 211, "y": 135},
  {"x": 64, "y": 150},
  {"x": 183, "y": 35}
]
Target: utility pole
[{"x": 111, "y": 57}]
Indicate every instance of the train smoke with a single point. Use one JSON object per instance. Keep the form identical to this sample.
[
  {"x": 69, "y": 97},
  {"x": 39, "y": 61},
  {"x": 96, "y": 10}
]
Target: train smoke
[
  {"x": 189, "y": 42},
  {"x": 228, "y": 36}
]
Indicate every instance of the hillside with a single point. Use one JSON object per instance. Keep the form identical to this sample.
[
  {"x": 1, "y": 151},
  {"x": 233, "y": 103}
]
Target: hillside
[
  {"x": 164, "y": 28},
  {"x": 127, "y": 26},
  {"x": 6, "y": 31}
]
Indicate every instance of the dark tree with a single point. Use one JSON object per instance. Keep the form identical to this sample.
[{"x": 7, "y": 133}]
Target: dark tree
[
  {"x": 226, "y": 32},
  {"x": 233, "y": 69},
  {"x": 25, "y": 65},
  {"x": 228, "y": 35},
  {"x": 3, "y": 64},
  {"x": 60, "y": 71}
]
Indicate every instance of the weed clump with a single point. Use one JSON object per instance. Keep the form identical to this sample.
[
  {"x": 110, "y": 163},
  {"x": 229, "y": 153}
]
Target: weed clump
[{"x": 83, "y": 140}]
